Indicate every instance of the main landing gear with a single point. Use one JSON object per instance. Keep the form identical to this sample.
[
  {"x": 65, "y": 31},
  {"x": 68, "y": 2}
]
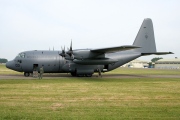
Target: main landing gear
[
  {"x": 80, "y": 75},
  {"x": 26, "y": 74}
]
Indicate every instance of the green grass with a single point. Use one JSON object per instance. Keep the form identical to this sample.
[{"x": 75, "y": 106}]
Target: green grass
[
  {"x": 145, "y": 71},
  {"x": 6, "y": 71},
  {"x": 90, "y": 98}
]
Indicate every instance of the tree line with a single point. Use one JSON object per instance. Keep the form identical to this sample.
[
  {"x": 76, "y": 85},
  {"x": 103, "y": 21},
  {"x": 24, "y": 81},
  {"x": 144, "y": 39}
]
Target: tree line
[{"x": 3, "y": 60}]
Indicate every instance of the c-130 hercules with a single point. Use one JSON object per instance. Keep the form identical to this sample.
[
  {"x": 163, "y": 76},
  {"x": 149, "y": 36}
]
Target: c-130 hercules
[{"x": 85, "y": 62}]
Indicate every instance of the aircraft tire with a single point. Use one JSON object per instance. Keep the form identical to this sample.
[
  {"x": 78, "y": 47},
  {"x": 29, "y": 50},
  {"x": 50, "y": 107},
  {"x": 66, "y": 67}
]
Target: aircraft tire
[
  {"x": 26, "y": 74},
  {"x": 88, "y": 75},
  {"x": 80, "y": 75},
  {"x": 73, "y": 73}
]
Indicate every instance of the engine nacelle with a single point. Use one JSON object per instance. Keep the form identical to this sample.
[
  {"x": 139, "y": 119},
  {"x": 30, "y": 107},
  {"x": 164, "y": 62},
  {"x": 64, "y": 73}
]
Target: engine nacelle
[{"x": 86, "y": 54}]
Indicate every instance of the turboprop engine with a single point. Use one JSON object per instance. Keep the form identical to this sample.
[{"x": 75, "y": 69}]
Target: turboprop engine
[
  {"x": 86, "y": 54},
  {"x": 80, "y": 54}
]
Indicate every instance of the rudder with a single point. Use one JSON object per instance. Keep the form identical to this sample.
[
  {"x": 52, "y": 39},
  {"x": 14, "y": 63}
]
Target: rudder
[{"x": 145, "y": 38}]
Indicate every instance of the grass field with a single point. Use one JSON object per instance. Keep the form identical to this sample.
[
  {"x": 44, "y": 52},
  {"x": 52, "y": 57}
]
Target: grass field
[
  {"x": 5, "y": 71},
  {"x": 91, "y": 98},
  {"x": 146, "y": 71}
]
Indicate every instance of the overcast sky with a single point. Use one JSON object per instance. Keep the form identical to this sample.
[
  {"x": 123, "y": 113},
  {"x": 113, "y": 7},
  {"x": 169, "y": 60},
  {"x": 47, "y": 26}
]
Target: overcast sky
[{"x": 43, "y": 24}]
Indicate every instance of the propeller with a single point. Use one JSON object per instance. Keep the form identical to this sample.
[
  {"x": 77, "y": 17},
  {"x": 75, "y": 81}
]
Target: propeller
[
  {"x": 70, "y": 51},
  {"x": 63, "y": 53},
  {"x": 69, "y": 54}
]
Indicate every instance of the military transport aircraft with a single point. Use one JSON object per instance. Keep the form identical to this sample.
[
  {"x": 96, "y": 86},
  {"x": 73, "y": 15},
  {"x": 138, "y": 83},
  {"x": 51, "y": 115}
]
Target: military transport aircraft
[{"x": 84, "y": 62}]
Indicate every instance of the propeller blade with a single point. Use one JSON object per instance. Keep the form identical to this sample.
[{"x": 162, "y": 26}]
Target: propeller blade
[
  {"x": 63, "y": 53},
  {"x": 67, "y": 55},
  {"x": 70, "y": 51},
  {"x": 71, "y": 45}
]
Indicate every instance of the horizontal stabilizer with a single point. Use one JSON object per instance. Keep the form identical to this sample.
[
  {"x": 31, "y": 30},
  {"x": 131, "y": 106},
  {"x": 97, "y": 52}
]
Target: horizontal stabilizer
[
  {"x": 156, "y": 53},
  {"x": 114, "y": 49}
]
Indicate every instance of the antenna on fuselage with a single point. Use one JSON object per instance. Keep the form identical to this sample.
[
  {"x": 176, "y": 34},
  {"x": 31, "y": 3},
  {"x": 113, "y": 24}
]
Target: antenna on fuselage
[{"x": 53, "y": 48}]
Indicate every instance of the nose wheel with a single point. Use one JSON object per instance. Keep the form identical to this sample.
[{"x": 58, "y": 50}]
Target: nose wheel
[{"x": 26, "y": 74}]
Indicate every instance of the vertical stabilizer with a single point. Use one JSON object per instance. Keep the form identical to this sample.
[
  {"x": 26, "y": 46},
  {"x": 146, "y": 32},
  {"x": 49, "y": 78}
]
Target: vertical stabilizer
[{"x": 145, "y": 38}]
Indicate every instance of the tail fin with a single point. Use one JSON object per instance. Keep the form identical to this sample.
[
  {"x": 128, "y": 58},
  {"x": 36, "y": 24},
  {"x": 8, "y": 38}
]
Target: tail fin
[{"x": 145, "y": 38}]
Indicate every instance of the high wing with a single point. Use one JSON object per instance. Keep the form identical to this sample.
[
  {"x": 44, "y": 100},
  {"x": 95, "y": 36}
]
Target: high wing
[{"x": 114, "y": 49}]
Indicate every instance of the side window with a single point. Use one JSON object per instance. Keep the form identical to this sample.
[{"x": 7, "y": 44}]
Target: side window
[
  {"x": 21, "y": 55},
  {"x": 20, "y": 61}
]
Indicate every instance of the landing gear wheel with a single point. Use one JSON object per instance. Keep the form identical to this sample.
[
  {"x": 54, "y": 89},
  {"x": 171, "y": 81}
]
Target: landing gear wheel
[
  {"x": 73, "y": 73},
  {"x": 26, "y": 74},
  {"x": 88, "y": 75},
  {"x": 80, "y": 75}
]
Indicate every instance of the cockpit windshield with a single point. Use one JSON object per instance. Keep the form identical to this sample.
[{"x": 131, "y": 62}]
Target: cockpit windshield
[{"x": 21, "y": 55}]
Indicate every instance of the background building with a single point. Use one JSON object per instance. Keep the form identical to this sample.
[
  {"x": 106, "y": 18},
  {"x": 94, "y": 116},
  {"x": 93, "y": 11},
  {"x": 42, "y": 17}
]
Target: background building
[
  {"x": 137, "y": 64},
  {"x": 168, "y": 63},
  {"x": 3, "y": 61}
]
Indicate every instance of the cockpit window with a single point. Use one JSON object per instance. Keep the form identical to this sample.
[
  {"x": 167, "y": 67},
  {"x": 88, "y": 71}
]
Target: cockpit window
[{"x": 21, "y": 55}]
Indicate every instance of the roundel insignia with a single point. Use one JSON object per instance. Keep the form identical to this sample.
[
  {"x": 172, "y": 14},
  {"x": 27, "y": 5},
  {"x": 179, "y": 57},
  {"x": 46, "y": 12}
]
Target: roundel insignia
[{"x": 146, "y": 36}]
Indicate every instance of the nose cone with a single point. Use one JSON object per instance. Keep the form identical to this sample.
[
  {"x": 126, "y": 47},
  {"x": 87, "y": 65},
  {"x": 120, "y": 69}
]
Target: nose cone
[{"x": 10, "y": 64}]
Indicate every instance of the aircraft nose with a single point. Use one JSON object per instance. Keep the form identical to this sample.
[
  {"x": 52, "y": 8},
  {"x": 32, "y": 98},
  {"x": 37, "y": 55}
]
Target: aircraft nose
[{"x": 10, "y": 64}]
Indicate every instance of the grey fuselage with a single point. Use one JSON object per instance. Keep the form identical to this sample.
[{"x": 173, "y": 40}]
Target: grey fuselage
[{"x": 52, "y": 62}]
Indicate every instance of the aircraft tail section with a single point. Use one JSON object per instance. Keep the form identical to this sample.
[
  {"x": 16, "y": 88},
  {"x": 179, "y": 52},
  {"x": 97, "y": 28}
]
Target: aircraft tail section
[{"x": 145, "y": 38}]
